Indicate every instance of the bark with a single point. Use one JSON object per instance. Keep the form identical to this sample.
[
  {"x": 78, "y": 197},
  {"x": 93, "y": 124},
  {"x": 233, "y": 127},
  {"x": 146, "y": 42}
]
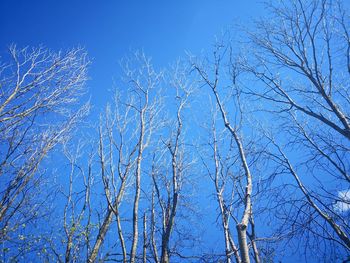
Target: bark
[
  {"x": 101, "y": 235},
  {"x": 135, "y": 218},
  {"x": 243, "y": 245},
  {"x": 154, "y": 246},
  {"x": 230, "y": 246},
  {"x": 145, "y": 244},
  {"x": 252, "y": 238}
]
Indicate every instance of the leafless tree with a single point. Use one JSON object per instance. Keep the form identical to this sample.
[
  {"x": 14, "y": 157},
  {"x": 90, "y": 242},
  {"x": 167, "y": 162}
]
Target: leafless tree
[
  {"x": 68, "y": 241},
  {"x": 300, "y": 57},
  {"x": 127, "y": 132},
  {"x": 222, "y": 181},
  {"x": 168, "y": 181},
  {"x": 281, "y": 103},
  {"x": 209, "y": 71},
  {"x": 77, "y": 209},
  {"x": 38, "y": 109}
]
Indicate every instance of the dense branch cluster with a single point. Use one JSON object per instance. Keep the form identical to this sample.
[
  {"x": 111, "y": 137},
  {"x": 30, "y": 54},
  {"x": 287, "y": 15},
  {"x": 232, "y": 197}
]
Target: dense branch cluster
[{"x": 249, "y": 146}]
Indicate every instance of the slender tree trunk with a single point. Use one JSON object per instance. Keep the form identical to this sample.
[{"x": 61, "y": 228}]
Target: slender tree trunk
[
  {"x": 121, "y": 237},
  {"x": 144, "y": 256},
  {"x": 253, "y": 242},
  {"x": 242, "y": 240},
  {"x": 101, "y": 235},
  {"x": 68, "y": 249},
  {"x": 243, "y": 225},
  {"x": 154, "y": 246},
  {"x": 135, "y": 219}
]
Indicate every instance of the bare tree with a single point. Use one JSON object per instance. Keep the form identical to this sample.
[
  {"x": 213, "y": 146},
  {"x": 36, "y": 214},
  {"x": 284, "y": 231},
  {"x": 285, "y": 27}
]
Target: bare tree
[
  {"x": 209, "y": 72},
  {"x": 39, "y": 91},
  {"x": 168, "y": 181},
  {"x": 77, "y": 208},
  {"x": 301, "y": 61},
  {"x": 68, "y": 241},
  {"x": 128, "y": 130},
  {"x": 222, "y": 180},
  {"x": 301, "y": 39},
  {"x": 115, "y": 170}
]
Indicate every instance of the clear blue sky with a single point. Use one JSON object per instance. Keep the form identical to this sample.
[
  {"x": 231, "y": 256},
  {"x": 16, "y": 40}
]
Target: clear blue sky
[{"x": 110, "y": 29}]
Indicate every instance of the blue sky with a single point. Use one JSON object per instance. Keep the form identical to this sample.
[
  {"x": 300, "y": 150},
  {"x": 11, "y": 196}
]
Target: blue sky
[{"x": 110, "y": 29}]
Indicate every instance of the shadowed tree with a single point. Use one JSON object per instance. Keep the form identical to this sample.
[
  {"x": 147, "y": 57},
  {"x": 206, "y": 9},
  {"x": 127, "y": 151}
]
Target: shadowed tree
[{"x": 300, "y": 66}]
